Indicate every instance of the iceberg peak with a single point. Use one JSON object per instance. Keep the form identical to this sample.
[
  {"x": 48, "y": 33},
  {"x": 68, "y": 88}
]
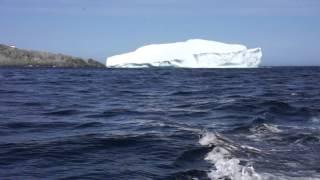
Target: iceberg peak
[{"x": 193, "y": 53}]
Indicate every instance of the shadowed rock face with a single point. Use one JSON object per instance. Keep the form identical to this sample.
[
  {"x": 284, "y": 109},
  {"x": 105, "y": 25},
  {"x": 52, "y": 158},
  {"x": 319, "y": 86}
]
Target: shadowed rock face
[{"x": 27, "y": 58}]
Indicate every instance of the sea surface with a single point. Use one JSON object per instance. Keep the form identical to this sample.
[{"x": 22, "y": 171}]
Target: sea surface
[{"x": 137, "y": 124}]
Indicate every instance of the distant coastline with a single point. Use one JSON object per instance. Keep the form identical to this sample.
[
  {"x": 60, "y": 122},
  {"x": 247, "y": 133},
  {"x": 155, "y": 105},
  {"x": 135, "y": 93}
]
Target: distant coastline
[{"x": 10, "y": 56}]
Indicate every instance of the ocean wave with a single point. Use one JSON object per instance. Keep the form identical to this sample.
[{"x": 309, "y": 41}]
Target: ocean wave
[
  {"x": 40, "y": 126},
  {"x": 114, "y": 112},
  {"x": 64, "y": 112},
  {"x": 265, "y": 128},
  {"x": 149, "y": 124},
  {"x": 226, "y": 165}
]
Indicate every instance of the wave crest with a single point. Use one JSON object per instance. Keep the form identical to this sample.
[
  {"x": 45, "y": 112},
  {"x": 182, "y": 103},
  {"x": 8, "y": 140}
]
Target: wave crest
[{"x": 226, "y": 166}]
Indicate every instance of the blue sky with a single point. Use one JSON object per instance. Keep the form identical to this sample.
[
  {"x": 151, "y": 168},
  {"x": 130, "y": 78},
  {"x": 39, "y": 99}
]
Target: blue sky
[{"x": 288, "y": 31}]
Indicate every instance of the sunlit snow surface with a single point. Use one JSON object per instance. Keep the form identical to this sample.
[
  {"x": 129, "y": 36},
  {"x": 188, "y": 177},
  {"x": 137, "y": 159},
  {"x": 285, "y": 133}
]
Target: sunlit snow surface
[{"x": 195, "y": 53}]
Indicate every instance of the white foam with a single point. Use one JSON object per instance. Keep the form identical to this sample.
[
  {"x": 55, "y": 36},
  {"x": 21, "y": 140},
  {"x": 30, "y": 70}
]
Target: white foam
[
  {"x": 208, "y": 139},
  {"x": 264, "y": 130},
  {"x": 268, "y": 128},
  {"x": 315, "y": 119},
  {"x": 226, "y": 101},
  {"x": 225, "y": 165}
]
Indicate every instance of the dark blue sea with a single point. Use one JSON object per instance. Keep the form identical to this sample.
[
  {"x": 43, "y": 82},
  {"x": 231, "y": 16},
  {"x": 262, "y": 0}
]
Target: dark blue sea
[{"x": 137, "y": 124}]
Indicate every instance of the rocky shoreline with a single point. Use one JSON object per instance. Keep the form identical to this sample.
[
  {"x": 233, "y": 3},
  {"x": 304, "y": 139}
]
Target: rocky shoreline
[{"x": 15, "y": 57}]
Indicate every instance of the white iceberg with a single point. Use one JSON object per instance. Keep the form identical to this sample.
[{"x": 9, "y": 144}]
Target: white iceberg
[{"x": 194, "y": 53}]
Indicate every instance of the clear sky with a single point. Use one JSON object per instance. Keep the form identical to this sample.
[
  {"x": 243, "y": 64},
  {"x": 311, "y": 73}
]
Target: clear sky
[{"x": 288, "y": 31}]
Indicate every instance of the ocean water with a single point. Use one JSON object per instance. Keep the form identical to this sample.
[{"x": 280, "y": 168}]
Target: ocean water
[{"x": 160, "y": 123}]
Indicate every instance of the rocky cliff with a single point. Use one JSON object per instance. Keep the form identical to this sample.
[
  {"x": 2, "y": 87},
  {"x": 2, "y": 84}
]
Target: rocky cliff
[{"x": 14, "y": 57}]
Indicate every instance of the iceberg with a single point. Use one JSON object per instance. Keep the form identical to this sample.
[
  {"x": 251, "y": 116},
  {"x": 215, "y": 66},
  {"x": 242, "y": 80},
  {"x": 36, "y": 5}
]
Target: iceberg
[{"x": 194, "y": 53}]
